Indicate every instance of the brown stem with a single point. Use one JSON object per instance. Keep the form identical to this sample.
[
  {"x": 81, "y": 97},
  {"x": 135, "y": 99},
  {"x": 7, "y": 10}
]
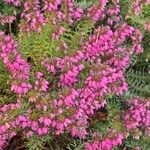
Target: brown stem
[{"x": 10, "y": 29}]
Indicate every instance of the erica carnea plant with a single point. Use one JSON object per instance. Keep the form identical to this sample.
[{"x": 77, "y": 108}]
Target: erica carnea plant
[{"x": 63, "y": 67}]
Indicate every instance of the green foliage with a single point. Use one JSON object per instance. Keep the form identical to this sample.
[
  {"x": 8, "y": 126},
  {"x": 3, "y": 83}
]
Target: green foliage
[
  {"x": 114, "y": 109},
  {"x": 8, "y": 10},
  {"x": 138, "y": 79},
  {"x": 39, "y": 45},
  {"x": 73, "y": 35},
  {"x": 76, "y": 145},
  {"x": 85, "y": 3},
  {"x": 146, "y": 45},
  {"x": 6, "y": 96},
  {"x": 37, "y": 143},
  {"x": 144, "y": 143}
]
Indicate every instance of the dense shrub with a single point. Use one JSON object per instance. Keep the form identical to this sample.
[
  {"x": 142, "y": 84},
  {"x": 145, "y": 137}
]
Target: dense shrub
[{"x": 64, "y": 65}]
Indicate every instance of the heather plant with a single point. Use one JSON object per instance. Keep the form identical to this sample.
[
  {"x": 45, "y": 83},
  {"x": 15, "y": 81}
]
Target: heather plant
[
  {"x": 138, "y": 72},
  {"x": 67, "y": 72}
]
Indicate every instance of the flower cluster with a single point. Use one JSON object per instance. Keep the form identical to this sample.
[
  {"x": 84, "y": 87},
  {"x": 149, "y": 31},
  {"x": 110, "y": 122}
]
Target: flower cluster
[
  {"x": 7, "y": 19},
  {"x": 33, "y": 19},
  {"x": 105, "y": 79},
  {"x": 137, "y": 116},
  {"x": 107, "y": 143},
  {"x": 63, "y": 92},
  {"x": 17, "y": 66},
  {"x": 101, "y": 44},
  {"x": 40, "y": 83},
  {"x": 51, "y": 6},
  {"x": 14, "y": 2},
  {"x": 137, "y": 5},
  {"x": 147, "y": 26},
  {"x": 59, "y": 32},
  {"x": 97, "y": 11},
  {"x": 73, "y": 12},
  {"x": 5, "y": 126},
  {"x": 113, "y": 13},
  {"x": 69, "y": 71}
]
